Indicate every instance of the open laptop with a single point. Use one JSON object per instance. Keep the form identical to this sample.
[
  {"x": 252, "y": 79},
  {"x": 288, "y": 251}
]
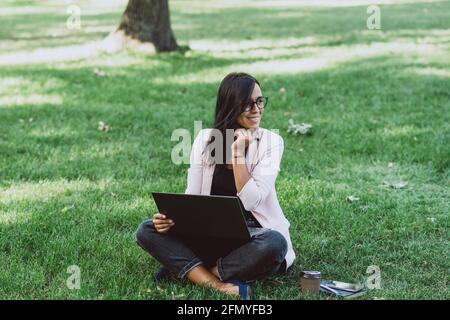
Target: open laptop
[{"x": 209, "y": 223}]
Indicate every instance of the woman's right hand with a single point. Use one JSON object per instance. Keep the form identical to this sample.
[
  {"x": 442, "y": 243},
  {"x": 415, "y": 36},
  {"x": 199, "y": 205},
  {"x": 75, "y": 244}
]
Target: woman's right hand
[{"x": 162, "y": 223}]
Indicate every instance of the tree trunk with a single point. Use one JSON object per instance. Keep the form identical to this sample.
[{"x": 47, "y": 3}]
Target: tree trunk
[{"x": 149, "y": 21}]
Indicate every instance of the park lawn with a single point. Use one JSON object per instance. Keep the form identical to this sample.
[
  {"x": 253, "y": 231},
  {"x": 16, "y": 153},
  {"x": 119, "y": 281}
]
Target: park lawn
[{"x": 379, "y": 103}]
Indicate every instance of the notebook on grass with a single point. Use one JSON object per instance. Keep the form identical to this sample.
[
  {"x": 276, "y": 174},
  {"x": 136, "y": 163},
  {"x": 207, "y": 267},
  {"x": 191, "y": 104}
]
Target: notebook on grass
[{"x": 342, "y": 289}]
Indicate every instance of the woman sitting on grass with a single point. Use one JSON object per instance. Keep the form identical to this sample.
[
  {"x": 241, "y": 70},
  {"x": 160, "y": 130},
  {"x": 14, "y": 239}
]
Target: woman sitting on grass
[{"x": 250, "y": 175}]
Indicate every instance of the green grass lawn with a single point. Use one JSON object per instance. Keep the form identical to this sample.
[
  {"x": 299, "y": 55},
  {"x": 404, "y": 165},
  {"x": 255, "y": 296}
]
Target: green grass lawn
[{"x": 379, "y": 101}]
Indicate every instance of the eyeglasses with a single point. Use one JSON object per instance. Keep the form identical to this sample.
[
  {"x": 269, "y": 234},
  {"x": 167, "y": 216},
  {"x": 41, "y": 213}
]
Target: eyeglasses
[{"x": 261, "y": 103}]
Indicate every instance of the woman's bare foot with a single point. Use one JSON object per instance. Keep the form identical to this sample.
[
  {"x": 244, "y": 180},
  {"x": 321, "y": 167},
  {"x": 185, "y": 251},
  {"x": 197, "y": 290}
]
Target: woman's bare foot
[
  {"x": 215, "y": 271},
  {"x": 229, "y": 288},
  {"x": 202, "y": 276}
]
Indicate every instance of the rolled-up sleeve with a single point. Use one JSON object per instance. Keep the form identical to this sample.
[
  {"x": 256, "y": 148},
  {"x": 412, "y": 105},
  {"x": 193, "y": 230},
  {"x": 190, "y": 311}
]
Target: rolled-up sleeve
[
  {"x": 195, "y": 170},
  {"x": 263, "y": 176}
]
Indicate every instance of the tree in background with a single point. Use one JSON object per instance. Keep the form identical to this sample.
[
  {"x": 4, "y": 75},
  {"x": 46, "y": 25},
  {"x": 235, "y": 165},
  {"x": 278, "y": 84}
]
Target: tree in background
[{"x": 144, "y": 21}]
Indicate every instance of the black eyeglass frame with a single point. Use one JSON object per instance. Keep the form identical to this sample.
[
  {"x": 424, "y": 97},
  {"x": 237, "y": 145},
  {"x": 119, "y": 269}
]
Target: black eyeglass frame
[{"x": 251, "y": 104}]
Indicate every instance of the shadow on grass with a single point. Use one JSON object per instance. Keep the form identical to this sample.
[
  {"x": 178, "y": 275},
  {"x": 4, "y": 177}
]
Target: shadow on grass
[
  {"x": 355, "y": 112},
  {"x": 345, "y": 24},
  {"x": 327, "y": 26}
]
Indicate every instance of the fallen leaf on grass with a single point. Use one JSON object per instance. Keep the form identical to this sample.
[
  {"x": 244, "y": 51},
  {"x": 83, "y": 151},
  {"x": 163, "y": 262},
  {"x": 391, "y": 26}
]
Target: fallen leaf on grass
[
  {"x": 432, "y": 219},
  {"x": 102, "y": 126},
  {"x": 29, "y": 120},
  {"x": 395, "y": 185},
  {"x": 67, "y": 208},
  {"x": 176, "y": 297},
  {"x": 99, "y": 72},
  {"x": 298, "y": 128},
  {"x": 352, "y": 199}
]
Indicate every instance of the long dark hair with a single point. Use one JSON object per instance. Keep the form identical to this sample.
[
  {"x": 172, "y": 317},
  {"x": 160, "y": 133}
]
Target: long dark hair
[{"x": 233, "y": 97}]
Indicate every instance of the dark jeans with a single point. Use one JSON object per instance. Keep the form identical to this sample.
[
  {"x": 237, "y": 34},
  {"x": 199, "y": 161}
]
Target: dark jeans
[{"x": 262, "y": 256}]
